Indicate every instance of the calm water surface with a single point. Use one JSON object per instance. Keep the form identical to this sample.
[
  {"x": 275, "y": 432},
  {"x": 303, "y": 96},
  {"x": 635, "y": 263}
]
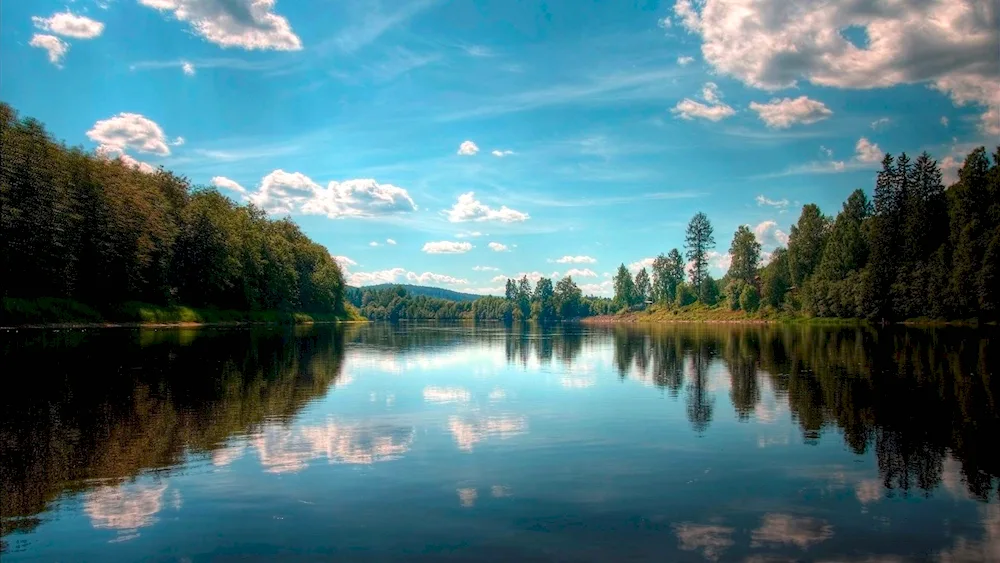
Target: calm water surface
[{"x": 428, "y": 442}]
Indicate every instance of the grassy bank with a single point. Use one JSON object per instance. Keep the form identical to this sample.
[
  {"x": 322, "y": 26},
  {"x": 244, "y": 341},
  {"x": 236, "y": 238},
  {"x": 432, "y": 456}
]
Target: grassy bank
[
  {"x": 55, "y": 311},
  {"x": 698, "y": 313}
]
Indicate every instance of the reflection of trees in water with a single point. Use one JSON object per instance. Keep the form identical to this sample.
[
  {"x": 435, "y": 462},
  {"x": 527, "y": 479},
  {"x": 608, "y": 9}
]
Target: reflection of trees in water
[
  {"x": 102, "y": 406},
  {"x": 916, "y": 396}
]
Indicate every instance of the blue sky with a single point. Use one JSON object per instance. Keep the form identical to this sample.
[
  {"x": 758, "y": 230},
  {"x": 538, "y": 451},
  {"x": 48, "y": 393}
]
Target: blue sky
[{"x": 583, "y": 130}]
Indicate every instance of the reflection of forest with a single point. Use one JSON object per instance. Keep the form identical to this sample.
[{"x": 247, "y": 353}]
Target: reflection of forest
[
  {"x": 915, "y": 396},
  {"x": 97, "y": 407}
]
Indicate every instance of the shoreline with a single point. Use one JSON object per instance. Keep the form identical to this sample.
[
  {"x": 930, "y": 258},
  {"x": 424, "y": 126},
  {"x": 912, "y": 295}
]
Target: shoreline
[{"x": 178, "y": 324}]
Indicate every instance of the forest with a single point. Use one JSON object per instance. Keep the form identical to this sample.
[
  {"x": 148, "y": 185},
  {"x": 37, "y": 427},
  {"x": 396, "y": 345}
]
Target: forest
[
  {"x": 916, "y": 250},
  {"x": 96, "y": 233}
]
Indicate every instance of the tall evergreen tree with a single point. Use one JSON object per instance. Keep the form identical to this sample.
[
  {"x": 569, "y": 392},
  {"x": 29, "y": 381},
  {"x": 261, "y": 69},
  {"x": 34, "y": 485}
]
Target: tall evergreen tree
[
  {"x": 806, "y": 243},
  {"x": 745, "y": 253},
  {"x": 643, "y": 288},
  {"x": 698, "y": 242},
  {"x": 625, "y": 294}
]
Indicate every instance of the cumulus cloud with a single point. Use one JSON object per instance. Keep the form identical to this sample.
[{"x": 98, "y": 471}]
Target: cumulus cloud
[
  {"x": 447, "y": 247},
  {"x": 467, "y": 148},
  {"x": 576, "y": 260},
  {"x": 768, "y": 234},
  {"x": 188, "y": 68},
  {"x": 785, "y": 112},
  {"x": 867, "y": 151},
  {"x": 467, "y": 208},
  {"x": 779, "y": 203},
  {"x": 55, "y": 47},
  {"x": 109, "y": 152},
  {"x": 344, "y": 262},
  {"x": 581, "y": 273},
  {"x": 394, "y": 275},
  {"x": 227, "y": 184},
  {"x": 640, "y": 264},
  {"x": 949, "y": 44},
  {"x": 373, "y": 243},
  {"x": 498, "y": 279},
  {"x": 130, "y": 131},
  {"x": 713, "y": 110},
  {"x": 602, "y": 289},
  {"x": 247, "y": 24},
  {"x": 497, "y": 247},
  {"x": 68, "y": 24},
  {"x": 294, "y": 192},
  {"x": 684, "y": 61}
]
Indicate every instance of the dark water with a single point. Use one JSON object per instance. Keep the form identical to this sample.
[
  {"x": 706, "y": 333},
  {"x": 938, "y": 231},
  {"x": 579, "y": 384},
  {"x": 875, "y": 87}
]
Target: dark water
[{"x": 377, "y": 443}]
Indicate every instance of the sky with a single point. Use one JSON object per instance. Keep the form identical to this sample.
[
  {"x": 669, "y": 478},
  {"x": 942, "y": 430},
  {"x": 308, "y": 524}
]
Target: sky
[{"x": 458, "y": 143}]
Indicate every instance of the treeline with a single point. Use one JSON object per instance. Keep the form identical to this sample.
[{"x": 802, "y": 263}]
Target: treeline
[
  {"x": 80, "y": 227},
  {"x": 543, "y": 302},
  {"x": 917, "y": 249}
]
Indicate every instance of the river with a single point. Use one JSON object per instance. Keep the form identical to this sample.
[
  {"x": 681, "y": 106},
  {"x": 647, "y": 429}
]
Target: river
[{"x": 488, "y": 443}]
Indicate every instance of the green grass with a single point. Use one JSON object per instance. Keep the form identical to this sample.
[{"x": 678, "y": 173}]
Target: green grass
[
  {"x": 48, "y": 311},
  {"x": 699, "y": 312}
]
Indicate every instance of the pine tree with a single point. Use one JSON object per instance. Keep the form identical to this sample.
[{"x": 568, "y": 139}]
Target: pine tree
[{"x": 698, "y": 242}]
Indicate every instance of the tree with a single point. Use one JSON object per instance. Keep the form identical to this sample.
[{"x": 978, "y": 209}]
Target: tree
[
  {"x": 625, "y": 294},
  {"x": 749, "y": 299},
  {"x": 523, "y": 311},
  {"x": 568, "y": 299},
  {"x": 643, "y": 289},
  {"x": 698, "y": 242},
  {"x": 745, "y": 253},
  {"x": 543, "y": 300},
  {"x": 685, "y": 295},
  {"x": 775, "y": 279},
  {"x": 668, "y": 271},
  {"x": 510, "y": 291},
  {"x": 806, "y": 243}
]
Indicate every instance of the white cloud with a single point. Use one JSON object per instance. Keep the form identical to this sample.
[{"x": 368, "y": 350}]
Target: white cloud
[
  {"x": 502, "y": 153},
  {"x": 344, "y": 262},
  {"x": 533, "y": 277},
  {"x": 684, "y": 61},
  {"x": 143, "y": 167},
  {"x": 188, "y": 68},
  {"x": 578, "y": 273},
  {"x": 497, "y": 290},
  {"x": 772, "y": 44},
  {"x": 69, "y": 25},
  {"x": 430, "y": 277},
  {"x": 55, "y": 47},
  {"x": 178, "y": 141},
  {"x": 373, "y": 243},
  {"x": 468, "y": 148},
  {"x": 248, "y": 24},
  {"x": 665, "y": 23},
  {"x": 291, "y": 192},
  {"x": 826, "y": 151},
  {"x": 446, "y": 247},
  {"x": 602, "y": 289},
  {"x": 715, "y": 110},
  {"x": 394, "y": 275},
  {"x": 640, "y": 264},
  {"x": 576, "y": 260},
  {"x": 227, "y": 184},
  {"x": 944, "y": 120},
  {"x": 779, "y": 203},
  {"x": 497, "y": 247},
  {"x": 470, "y": 234},
  {"x": 867, "y": 151},
  {"x": 880, "y": 122},
  {"x": 783, "y": 113},
  {"x": 390, "y": 241},
  {"x": 467, "y": 208},
  {"x": 485, "y": 269},
  {"x": 495, "y": 279},
  {"x": 130, "y": 131},
  {"x": 768, "y": 234}
]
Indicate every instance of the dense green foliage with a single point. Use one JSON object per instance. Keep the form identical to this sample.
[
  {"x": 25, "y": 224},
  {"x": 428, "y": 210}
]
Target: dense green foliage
[
  {"x": 426, "y": 291},
  {"x": 921, "y": 251},
  {"x": 96, "y": 231}
]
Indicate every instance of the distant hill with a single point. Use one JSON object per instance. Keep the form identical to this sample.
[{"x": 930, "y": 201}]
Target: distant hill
[{"x": 437, "y": 292}]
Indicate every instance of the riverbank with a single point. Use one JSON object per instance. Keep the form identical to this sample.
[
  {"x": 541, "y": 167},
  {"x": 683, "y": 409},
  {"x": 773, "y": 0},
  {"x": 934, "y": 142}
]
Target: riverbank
[
  {"x": 66, "y": 313},
  {"x": 698, "y": 313}
]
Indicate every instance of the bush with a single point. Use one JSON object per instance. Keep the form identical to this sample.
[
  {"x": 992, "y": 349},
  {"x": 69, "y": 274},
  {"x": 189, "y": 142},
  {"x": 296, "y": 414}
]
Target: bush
[
  {"x": 749, "y": 298},
  {"x": 733, "y": 293},
  {"x": 685, "y": 295}
]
